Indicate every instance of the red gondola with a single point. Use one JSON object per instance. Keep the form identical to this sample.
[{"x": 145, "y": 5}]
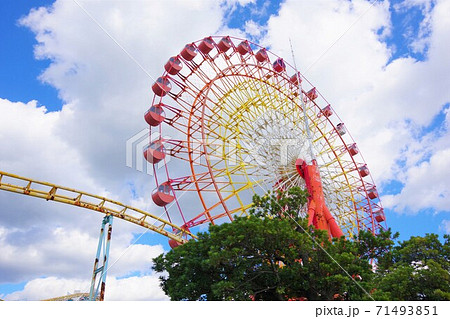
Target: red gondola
[
  {"x": 279, "y": 65},
  {"x": 363, "y": 170},
  {"x": 163, "y": 194},
  {"x": 372, "y": 192},
  {"x": 353, "y": 149},
  {"x": 224, "y": 44},
  {"x": 173, "y": 243},
  {"x": 155, "y": 115},
  {"x": 155, "y": 152},
  {"x": 312, "y": 94},
  {"x": 326, "y": 111},
  {"x": 206, "y": 45},
  {"x": 296, "y": 79},
  {"x": 173, "y": 66},
  {"x": 379, "y": 216},
  {"x": 262, "y": 55},
  {"x": 340, "y": 128},
  {"x": 243, "y": 47},
  {"x": 189, "y": 52},
  {"x": 162, "y": 86}
]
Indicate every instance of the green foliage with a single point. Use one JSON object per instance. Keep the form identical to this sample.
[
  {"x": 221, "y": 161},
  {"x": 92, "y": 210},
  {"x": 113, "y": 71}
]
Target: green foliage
[
  {"x": 418, "y": 270},
  {"x": 274, "y": 255}
]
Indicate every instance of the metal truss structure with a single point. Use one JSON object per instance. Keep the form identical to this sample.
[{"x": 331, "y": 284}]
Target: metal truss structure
[{"x": 239, "y": 117}]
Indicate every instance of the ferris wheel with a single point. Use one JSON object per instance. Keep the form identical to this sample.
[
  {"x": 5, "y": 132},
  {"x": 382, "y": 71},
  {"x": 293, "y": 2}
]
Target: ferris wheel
[{"x": 229, "y": 119}]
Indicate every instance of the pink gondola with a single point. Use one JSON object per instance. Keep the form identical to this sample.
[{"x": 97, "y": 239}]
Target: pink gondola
[
  {"x": 163, "y": 194},
  {"x": 340, "y": 128},
  {"x": 162, "y": 86},
  {"x": 155, "y": 115},
  {"x": 262, "y": 56},
  {"x": 189, "y": 52},
  {"x": 224, "y": 44},
  {"x": 372, "y": 193},
  {"x": 353, "y": 149},
  {"x": 243, "y": 48},
  {"x": 155, "y": 152},
  {"x": 312, "y": 94},
  {"x": 279, "y": 65},
  {"x": 327, "y": 111},
  {"x": 363, "y": 170},
  {"x": 173, "y": 66},
  {"x": 379, "y": 216},
  {"x": 296, "y": 79}
]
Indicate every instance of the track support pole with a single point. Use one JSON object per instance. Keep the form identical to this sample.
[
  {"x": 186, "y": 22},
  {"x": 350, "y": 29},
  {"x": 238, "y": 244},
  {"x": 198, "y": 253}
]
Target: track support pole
[{"x": 98, "y": 283}]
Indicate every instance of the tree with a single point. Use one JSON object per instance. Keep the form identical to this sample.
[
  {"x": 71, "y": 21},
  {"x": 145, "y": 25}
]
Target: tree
[
  {"x": 270, "y": 255},
  {"x": 418, "y": 270},
  {"x": 274, "y": 255}
]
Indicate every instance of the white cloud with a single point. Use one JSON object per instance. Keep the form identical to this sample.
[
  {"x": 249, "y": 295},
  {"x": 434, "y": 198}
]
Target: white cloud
[
  {"x": 135, "y": 288},
  {"x": 66, "y": 252},
  {"x": 445, "y": 226},
  {"x": 131, "y": 288},
  {"x": 46, "y": 288},
  {"x": 134, "y": 258},
  {"x": 253, "y": 29},
  {"x": 418, "y": 43},
  {"x": 426, "y": 185}
]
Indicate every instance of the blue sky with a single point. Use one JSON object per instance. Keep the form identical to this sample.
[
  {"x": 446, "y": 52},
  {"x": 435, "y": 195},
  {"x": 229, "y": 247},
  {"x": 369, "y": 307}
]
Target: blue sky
[
  {"x": 20, "y": 70},
  {"x": 401, "y": 39}
]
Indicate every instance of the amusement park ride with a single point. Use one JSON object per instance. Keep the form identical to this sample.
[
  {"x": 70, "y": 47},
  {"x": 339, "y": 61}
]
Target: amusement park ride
[{"x": 242, "y": 122}]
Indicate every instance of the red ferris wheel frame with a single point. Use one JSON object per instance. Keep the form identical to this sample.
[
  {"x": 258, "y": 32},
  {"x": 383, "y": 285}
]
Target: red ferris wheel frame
[{"x": 216, "y": 91}]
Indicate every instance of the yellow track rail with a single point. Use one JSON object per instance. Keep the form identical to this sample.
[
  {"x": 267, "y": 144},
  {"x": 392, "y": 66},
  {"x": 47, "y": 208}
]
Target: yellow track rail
[
  {"x": 10, "y": 182},
  {"x": 70, "y": 297}
]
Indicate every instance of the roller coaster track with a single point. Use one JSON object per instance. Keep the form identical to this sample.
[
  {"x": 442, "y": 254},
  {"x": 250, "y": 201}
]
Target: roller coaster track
[{"x": 22, "y": 185}]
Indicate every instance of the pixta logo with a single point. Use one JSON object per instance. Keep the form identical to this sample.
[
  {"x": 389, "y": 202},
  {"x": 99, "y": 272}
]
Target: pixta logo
[{"x": 135, "y": 147}]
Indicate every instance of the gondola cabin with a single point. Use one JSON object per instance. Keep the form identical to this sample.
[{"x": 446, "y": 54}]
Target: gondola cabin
[
  {"x": 155, "y": 152},
  {"x": 279, "y": 65},
  {"x": 372, "y": 193},
  {"x": 262, "y": 56},
  {"x": 243, "y": 48},
  {"x": 155, "y": 115},
  {"x": 379, "y": 216},
  {"x": 296, "y": 79},
  {"x": 189, "y": 52},
  {"x": 326, "y": 111},
  {"x": 163, "y": 194},
  {"x": 363, "y": 171},
  {"x": 173, "y": 243},
  {"x": 353, "y": 149},
  {"x": 173, "y": 66},
  {"x": 312, "y": 94},
  {"x": 225, "y": 44},
  {"x": 206, "y": 45},
  {"x": 162, "y": 86},
  {"x": 340, "y": 129}
]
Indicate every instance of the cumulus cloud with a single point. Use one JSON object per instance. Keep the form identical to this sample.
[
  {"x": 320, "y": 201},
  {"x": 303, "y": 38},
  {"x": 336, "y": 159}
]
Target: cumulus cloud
[
  {"x": 135, "y": 288},
  {"x": 46, "y": 288},
  {"x": 131, "y": 288},
  {"x": 253, "y": 29},
  {"x": 105, "y": 92},
  {"x": 427, "y": 176},
  {"x": 418, "y": 43},
  {"x": 445, "y": 226}
]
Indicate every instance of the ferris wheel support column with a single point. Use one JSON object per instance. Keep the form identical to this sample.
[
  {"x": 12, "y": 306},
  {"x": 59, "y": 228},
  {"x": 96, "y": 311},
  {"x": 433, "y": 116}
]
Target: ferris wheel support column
[
  {"x": 318, "y": 213},
  {"x": 98, "y": 288}
]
